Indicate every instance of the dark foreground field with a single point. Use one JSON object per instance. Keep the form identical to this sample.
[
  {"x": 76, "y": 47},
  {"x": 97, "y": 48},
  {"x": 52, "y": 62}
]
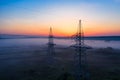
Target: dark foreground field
[{"x": 31, "y": 63}]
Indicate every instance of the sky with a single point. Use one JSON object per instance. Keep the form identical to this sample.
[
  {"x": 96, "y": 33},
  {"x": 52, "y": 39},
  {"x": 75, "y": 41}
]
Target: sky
[{"x": 35, "y": 17}]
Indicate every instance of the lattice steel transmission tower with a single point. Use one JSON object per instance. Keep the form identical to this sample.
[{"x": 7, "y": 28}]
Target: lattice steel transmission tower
[
  {"x": 80, "y": 72},
  {"x": 51, "y": 50}
]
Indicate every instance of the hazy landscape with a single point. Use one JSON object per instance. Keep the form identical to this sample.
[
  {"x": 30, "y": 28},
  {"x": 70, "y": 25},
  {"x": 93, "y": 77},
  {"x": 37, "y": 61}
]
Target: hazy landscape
[
  {"x": 26, "y": 59},
  {"x": 59, "y": 39}
]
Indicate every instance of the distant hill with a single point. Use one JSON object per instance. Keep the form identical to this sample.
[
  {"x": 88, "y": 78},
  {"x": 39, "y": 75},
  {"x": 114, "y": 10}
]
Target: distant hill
[
  {"x": 106, "y": 38},
  {"x": 9, "y": 36}
]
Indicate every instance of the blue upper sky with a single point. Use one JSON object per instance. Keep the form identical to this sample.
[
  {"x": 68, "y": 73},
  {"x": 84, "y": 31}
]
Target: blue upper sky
[{"x": 60, "y": 13}]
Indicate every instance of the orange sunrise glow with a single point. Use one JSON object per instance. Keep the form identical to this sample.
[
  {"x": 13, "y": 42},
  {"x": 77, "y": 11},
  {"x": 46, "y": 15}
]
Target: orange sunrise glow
[{"x": 63, "y": 18}]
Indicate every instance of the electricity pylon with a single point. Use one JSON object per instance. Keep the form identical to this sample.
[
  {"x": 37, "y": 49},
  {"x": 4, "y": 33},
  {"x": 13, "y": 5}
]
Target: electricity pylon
[
  {"x": 51, "y": 50},
  {"x": 80, "y": 56}
]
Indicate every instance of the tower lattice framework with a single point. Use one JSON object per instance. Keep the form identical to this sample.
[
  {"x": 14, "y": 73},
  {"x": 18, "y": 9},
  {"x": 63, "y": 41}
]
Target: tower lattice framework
[
  {"x": 51, "y": 50},
  {"x": 80, "y": 55}
]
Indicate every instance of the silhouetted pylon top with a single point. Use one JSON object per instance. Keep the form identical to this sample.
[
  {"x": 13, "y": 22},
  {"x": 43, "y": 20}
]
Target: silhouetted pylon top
[
  {"x": 51, "y": 42},
  {"x": 78, "y": 37},
  {"x": 50, "y": 33}
]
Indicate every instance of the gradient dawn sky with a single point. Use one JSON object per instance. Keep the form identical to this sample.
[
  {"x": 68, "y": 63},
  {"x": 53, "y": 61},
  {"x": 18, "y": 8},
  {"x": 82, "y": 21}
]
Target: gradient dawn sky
[{"x": 34, "y": 17}]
